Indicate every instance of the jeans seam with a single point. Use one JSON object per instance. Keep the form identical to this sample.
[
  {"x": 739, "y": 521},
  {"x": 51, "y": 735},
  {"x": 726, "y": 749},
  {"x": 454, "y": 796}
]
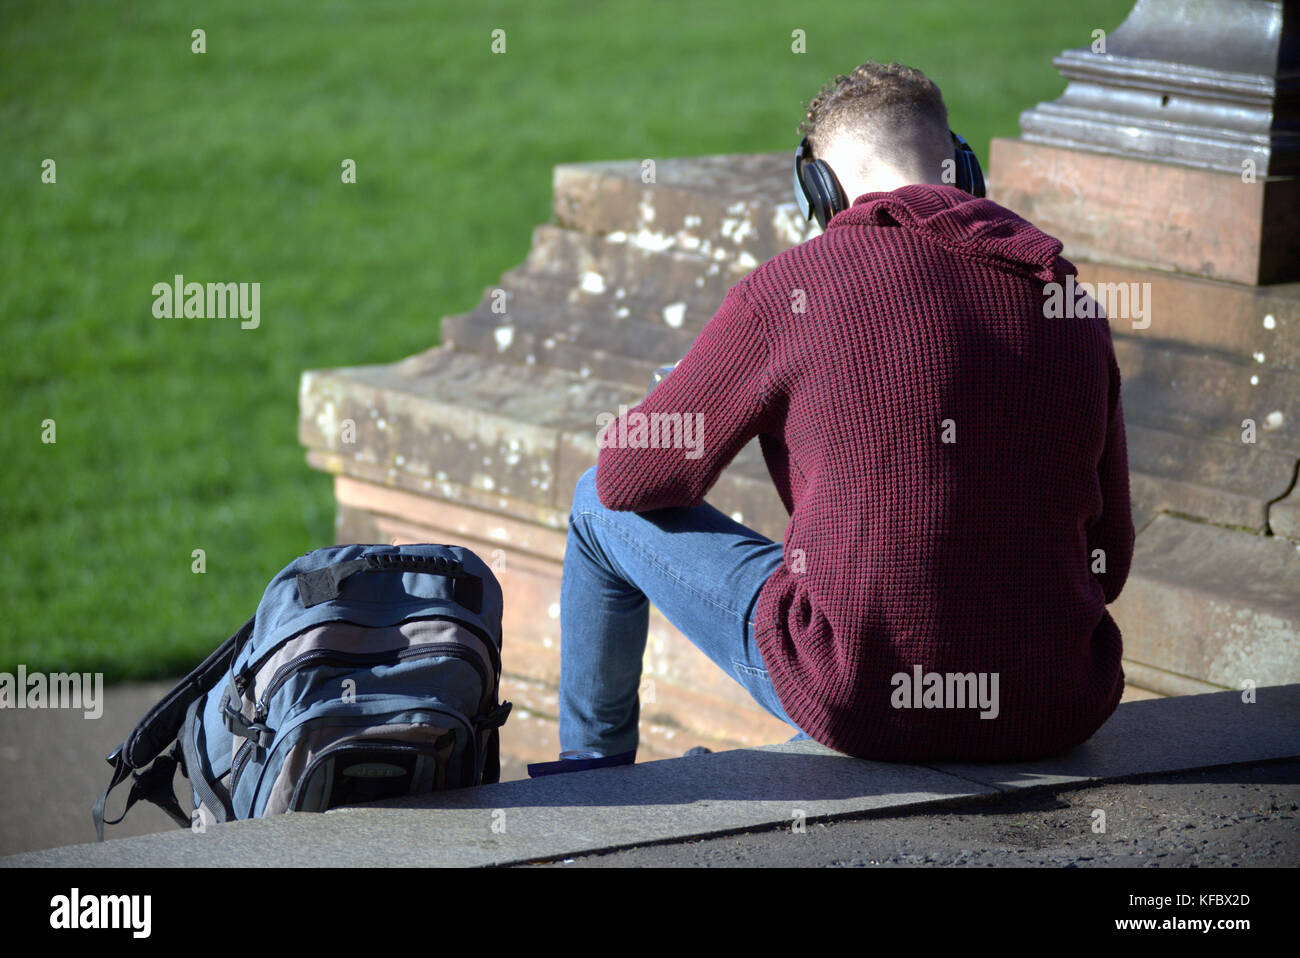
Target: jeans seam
[{"x": 654, "y": 560}]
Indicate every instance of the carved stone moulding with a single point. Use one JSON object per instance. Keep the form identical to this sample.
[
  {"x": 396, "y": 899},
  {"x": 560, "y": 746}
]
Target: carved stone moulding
[{"x": 1213, "y": 84}]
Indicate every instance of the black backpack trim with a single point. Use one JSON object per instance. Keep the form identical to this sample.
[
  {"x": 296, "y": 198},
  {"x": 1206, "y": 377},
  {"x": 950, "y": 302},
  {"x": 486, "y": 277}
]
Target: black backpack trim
[
  {"x": 324, "y": 584},
  {"x": 159, "y": 729}
]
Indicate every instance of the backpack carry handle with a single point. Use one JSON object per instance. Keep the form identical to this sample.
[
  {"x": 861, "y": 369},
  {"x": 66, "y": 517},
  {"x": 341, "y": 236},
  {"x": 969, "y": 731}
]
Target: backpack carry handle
[{"x": 324, "y": 584}]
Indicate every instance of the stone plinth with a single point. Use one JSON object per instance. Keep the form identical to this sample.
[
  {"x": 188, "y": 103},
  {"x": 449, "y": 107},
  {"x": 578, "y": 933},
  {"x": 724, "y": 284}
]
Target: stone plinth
[{"x": 1148, "y": 213}]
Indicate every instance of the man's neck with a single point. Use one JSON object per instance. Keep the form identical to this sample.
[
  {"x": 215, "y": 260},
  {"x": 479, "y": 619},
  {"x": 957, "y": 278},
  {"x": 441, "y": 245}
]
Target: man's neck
[{"x": 885, "y": 183}]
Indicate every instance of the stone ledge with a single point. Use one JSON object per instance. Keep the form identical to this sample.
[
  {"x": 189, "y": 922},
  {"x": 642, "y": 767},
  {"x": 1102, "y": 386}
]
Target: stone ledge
[{"x": 679, "y": 799}]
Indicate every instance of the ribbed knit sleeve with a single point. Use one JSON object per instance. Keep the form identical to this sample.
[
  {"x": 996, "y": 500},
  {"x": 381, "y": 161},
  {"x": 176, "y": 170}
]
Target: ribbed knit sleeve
[
  {"x": 700, "y": 416},
  {"x": 1113, "y": 532}
]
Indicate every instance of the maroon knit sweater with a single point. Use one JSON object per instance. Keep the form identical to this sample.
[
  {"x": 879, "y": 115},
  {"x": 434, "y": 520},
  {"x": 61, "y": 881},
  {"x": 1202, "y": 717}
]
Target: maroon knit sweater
[{"x": 917, "y": 317}]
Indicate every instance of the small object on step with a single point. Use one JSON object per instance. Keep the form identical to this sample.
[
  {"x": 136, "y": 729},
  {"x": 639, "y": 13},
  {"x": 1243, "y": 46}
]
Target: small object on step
[
  {"x": 569, "y": 762},
  {"x": 698, "y": 750}
]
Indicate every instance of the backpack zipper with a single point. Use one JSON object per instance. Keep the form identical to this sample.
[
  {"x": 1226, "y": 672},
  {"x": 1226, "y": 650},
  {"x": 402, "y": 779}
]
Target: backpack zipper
[
  {"x": 237, "y": 766},
  {"x": 454, "y": 650},
  {"x": 243, "y": 678}
]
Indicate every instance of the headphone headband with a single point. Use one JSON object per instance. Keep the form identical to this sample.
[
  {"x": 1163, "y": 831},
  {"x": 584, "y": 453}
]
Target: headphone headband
[{"x": 818, "y": 191}]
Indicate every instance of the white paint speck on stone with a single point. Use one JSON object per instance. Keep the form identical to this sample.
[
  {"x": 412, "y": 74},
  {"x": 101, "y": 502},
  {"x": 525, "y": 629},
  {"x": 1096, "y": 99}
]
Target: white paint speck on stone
[
  {"x": 788, "y": 223},
  {"x": 674, "y": 314},
  {"x": 592, "y": 282},
  {"x": 740, "y": 229},
  {"x": 653, "y": 240},
  {"x": 504, "y": 335},
  {"x": 1270, "y": 322}
]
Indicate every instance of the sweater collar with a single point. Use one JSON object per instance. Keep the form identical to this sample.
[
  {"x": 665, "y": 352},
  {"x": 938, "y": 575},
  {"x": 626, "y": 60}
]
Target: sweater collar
[{"x": 978, "y": 227}]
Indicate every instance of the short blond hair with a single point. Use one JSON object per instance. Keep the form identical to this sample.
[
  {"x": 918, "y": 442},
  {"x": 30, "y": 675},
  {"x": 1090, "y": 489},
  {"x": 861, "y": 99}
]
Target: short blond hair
[{"x": 886, "y": 108}]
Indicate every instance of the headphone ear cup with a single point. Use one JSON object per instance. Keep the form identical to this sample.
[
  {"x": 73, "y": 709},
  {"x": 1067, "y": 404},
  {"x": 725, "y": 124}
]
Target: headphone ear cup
[
  {"x": 974, "y": 175},
  {"x": 824, "y": 190},
  {"x": 970, "y": 178}
]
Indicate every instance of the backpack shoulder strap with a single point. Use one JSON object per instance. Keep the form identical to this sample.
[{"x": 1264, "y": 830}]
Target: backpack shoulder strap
[{"x": 160, "y": 728}]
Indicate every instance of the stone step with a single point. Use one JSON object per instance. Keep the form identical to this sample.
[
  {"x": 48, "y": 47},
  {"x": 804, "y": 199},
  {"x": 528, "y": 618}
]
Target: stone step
[
  {"x": 687, "y": 311},
  {"x": 596, "y": 271},
  {"x": 514, "y": 438},
  {"x": 1214, "y": 604},
  {"x": 739, "y": 207},
  {"x": 1230, "y": 484},
  {"x": 445, "y": 416},
  {"x": 1206, "y": 314},
  {"x": 1197, "y": 393},
  {"x": 573, "y": 338}
]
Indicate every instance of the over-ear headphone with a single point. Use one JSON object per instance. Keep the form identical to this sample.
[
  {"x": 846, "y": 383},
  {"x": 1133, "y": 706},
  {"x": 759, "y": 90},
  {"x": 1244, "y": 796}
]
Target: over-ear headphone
[{"x": 819, "y": 193}]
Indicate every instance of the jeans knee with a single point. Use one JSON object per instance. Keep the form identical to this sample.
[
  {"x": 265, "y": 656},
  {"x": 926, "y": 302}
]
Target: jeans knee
[{"x": 584, "y": 492}]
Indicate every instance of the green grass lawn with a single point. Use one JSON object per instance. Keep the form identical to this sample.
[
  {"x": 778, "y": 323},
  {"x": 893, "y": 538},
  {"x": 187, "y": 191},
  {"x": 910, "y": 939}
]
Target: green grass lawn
[{"x": 180, "y": 434}]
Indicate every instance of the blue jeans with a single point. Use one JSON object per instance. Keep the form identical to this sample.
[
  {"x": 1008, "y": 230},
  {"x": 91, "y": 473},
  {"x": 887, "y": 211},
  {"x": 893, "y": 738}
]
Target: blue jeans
[{"x": 698, "y": 567}]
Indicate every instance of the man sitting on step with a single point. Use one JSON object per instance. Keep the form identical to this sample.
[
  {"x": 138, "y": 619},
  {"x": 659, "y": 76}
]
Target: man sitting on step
[{"x": 952, "y": 458}]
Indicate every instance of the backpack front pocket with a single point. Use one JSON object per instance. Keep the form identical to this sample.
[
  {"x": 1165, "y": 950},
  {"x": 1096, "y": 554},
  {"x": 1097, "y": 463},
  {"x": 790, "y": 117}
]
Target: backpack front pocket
[
  {"x": 325, "y": 760},
  {"x": 368, "y": 770}
]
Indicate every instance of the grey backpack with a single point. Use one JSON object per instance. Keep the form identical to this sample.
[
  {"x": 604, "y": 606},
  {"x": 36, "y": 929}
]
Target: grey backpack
[{"x": 367, "y": 672}]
